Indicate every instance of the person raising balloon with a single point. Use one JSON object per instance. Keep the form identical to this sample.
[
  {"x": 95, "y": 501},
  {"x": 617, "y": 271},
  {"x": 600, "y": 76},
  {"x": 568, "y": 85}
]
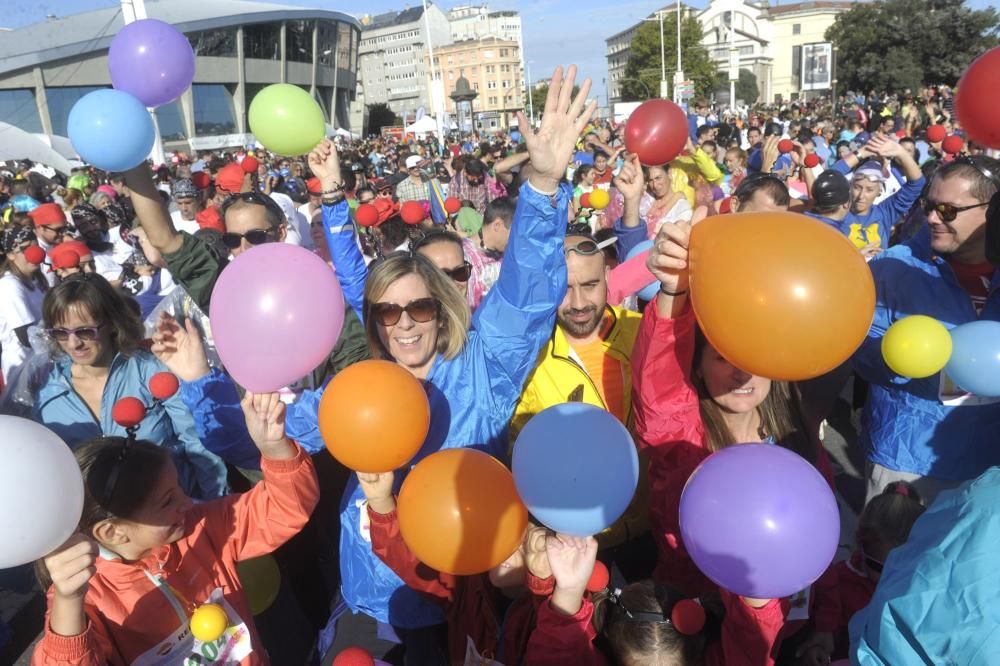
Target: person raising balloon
[
  {"x": 689, "y": 402},
  {"x": 415, "y": 317},
  {"x": 22, "y": 288},
  {"x": 124, "y": 588}
]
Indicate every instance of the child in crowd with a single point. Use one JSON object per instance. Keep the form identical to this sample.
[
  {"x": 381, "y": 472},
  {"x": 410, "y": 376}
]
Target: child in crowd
[{"x": 124, "y": 588}]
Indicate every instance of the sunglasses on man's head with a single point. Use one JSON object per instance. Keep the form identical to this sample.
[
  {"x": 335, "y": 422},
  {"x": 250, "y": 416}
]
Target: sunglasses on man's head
[
  {"x": 85, "y": 333},
  {"x": 588, "y": 247},
  {"x": 947, "y": 212},
  {"x": 254, "y": 237},
  {"x": 421, "y": 310}
]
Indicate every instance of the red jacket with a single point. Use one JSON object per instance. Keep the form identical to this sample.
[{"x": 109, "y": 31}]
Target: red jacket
[
  {"x": 470, "y": 602},
  {"x": 840, "y": 593},
  {"x": 668, "y": 423},
  {"x": 748, "y": 636},
  {"x": 138, "y": 612}
]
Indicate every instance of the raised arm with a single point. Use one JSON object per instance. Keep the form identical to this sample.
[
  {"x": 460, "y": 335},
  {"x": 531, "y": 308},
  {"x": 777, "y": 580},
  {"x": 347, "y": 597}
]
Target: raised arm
[
  {"x": 898, "y": 204},
  {"x": 150, "y": 212}
]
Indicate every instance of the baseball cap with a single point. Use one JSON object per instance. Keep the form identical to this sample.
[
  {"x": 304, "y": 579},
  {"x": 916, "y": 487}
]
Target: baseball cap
[
  {"x": 831, "y": 189},
  {"x": 413, "y": 161}
]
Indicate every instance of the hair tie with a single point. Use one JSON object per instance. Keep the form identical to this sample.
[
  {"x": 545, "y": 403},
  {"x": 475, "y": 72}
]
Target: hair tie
[{"x": 901, "y": 490}]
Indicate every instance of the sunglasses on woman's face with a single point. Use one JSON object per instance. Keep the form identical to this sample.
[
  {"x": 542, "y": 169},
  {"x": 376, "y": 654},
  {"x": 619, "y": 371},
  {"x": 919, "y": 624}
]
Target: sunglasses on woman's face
[
  {"x": 421, "y": 310},
  {"x": 254, "y": 237},
  {"x": 459, "y": 273},
  {"x": 85, "y": 333},
  {"x": 947, "y": 212}
]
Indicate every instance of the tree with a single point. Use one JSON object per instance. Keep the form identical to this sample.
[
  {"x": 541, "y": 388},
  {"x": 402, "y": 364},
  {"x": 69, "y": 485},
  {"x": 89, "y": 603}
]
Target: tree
[
  {"x": 643, "y": 70},
  {"x": 379, "y": 116},
  {"x": 897, "y": 44},
  {"x": 746, "y": 87},
  {"x": 538, "y": 94}
]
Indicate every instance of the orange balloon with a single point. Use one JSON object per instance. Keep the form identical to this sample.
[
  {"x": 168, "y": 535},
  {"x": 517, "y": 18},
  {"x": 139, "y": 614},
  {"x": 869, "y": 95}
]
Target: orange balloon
[
  {"x": 779, "y": 295},
  {"x": 460, "y": 513},
  {"x": 374, "y": 416}
]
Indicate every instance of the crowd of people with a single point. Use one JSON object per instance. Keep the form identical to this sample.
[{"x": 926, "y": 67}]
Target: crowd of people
[{"x": 511, "y": 293}]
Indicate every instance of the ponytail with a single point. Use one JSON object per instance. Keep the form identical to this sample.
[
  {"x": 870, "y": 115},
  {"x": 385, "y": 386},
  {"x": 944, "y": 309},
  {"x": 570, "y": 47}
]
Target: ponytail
[{"x": 887, "y": 519}]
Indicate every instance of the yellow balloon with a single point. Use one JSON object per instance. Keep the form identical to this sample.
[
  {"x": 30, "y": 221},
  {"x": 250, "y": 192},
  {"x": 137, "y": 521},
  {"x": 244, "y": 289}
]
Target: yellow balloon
[
  {"x": 916, "y": 346},
  {"x": 599, "y": 199},
  {"x": 261, "y": 581},
  {"x": 209, "y": 622}
]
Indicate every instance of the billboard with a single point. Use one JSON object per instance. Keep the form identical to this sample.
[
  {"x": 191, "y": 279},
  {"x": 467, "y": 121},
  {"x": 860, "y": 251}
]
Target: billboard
[{"x": 817, "y": 66}]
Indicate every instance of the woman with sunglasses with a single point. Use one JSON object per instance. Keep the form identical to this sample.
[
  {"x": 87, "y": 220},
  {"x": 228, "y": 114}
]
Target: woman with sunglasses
[
  {"x": 22, "y": 288},
  {"x": 96, "y": 338},
  {"x": 415, "y": 317},
  {"x": 665, "y": 201}
]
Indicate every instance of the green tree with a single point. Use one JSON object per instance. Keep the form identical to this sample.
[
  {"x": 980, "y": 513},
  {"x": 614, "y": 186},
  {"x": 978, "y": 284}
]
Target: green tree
[
  {"x": 642, "y": 72},
  {"x": 538, "y": 94},
  {"x": 379, "y": 116},
  {"x": 746, "y": 87},
  {"x": 897, "y": 44}
]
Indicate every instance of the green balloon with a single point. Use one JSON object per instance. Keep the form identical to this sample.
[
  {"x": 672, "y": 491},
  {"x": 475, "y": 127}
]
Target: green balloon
[{"x": 286, "y": 119}]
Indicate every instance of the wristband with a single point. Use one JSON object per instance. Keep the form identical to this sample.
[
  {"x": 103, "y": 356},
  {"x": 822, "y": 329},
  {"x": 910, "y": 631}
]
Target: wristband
[{"x": 672, "y": 293}]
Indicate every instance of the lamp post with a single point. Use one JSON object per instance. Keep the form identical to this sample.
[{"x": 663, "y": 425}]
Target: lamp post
[{"x": 679, "y": 74}]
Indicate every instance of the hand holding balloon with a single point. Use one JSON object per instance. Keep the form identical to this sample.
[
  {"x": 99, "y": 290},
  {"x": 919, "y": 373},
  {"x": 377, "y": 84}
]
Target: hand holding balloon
[
  {"x": 265, "y": 416},
  {"x": 180, "y": 348},
  {"x": 325, "y": 164},
  {"x": 668, "y": 258},
  {"x": 378, "y": 490},
  {"x": 70, "y": 567},
  {"x": 629, "y": 180},
  {"x": 572, "y": 562}
]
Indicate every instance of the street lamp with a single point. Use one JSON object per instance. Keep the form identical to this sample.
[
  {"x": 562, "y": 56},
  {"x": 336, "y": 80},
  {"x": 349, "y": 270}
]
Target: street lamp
[{"x": 679, "y": 74}]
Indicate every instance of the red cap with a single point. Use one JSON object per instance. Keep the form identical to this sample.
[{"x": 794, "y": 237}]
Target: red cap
[
  {"x": 688, "y": 617},
  {"x": 36, "y": 255},
  {"x": 163, "y": 385},
  {"x": 210, "y": 219},
  {"x": 47, "y": 213},
  {"x": 201, "y": 179},
  {"x": 314, "y": 186},
  {"x": 128, "y": 412},
  {"x": 952, "y": 145},
  {"x": 366, "y": 215},
  {"x": 599, "y": 578},
  {"x": 936, "y": 133},
  {"x": 413, "y": 212},
  {"x": 353, "y": 656},
  {"x": 249, "y": 164},
  {"x": 811, "y": 160},
  {"x": 63, "y": 255},
  {"x": 230, "y": 178},
  {"x": 452, "y": 205},
  {"x": 78, "y": 246},
  {"x": 785, "y": 146}
]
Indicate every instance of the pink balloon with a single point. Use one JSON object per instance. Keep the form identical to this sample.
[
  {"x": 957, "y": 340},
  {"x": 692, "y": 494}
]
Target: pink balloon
[{"x": 276, "y": 314}]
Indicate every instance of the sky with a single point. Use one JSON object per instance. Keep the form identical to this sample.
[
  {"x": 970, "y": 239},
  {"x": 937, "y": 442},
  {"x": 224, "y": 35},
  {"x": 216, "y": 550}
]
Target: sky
[{"x": 555, "y": 31}]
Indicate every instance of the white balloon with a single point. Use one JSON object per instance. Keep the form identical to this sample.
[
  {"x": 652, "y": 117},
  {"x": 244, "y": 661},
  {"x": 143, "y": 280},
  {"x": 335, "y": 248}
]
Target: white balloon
[{"x": 41, "y": 491}]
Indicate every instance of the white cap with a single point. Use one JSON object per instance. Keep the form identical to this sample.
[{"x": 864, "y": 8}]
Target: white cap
[{"x": 413, "y": 161}]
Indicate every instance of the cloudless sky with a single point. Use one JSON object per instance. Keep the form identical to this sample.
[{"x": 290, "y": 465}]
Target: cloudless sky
[{"x": 555, "y": 31}]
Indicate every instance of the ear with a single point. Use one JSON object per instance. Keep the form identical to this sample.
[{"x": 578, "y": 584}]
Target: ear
[
  {"x": 734, "y": 205},
  {"x": 282, "y": 232},
  {"x": 110, "y": 533}
]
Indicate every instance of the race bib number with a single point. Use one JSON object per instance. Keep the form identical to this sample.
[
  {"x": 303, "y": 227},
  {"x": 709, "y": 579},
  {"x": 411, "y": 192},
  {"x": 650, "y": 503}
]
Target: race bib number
[
  {"x": 473, "y": 658},
  {"x": 952, "y": 395}
]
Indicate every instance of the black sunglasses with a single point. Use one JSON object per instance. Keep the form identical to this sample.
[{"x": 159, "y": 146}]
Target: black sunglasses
[
  {"x": 254, "y": 237},
  {"x": 421, "y": 310},
  {"x": 947, "y": 212},
  {"x": 459, "y": 273},
  {"x": 85, "y": 333}
]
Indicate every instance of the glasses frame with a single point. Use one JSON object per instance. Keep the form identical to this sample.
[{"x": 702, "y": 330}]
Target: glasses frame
[
  {"x": 947, "y": 212},
  {"x": 381, "y": 309},
  {"x": 228, "y": 236},
  {"x": 466, "y": 267},
  {"x": 56, "y": 331}
]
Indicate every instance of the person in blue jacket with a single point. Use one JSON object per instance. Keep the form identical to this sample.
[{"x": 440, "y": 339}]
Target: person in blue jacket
[
  {"x": 927, "y": 431},
  {"x": 868, "y": 224},
  {"x": 98, "y": 360},
  {"x": 414, "y": 316}
]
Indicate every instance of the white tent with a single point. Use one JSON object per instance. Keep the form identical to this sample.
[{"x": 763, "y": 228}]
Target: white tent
[
  {"x": 60, "y": 144},
  {"x": 16, "y": 144},
  {"x": 425, "y": 125}
]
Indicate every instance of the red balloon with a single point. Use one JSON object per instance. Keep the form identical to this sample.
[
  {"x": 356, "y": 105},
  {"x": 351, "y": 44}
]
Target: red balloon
[
  {"x": 936, "y": 133},
  {"x": 163, "y": 385},
  {"x": 249, "y": 164},
  {"x": 35, "y": 255},
  {"x": 412, "y": 212},
  {"x": 128, "y": 412},
  {"x": 975, "y": 99},
  {"x": 452, "y": 205},
  {"x": 656, "y": 131},
  {"x": 598, "y": 578},
  {"x": 952, "y": 144},
  {"x": 201, "y": 179},
  {"x": 353, "y": 656},
  {"x": 366, "y": 215},
  {"x": 785, "y": 146},
  {"x": 811, "y": 160},
  {"x": 585, "y": 200}
]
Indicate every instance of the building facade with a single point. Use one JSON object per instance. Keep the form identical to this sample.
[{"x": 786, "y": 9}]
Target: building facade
[
  {"x": 619, "y": 47},
  {"x": 240, "y": 47},
  {"x": 493, "y": 69},
  {"x": 476, "y": 22},
  {"x": 794, "y": 26}
]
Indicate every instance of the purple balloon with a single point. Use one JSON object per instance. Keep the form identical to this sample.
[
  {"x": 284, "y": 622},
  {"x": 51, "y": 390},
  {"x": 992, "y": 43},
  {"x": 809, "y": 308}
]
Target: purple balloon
[
  {"x": 759, "y": 521},
  {"x": 151, "y": 60},
  {"x": 276, "y": 314}
]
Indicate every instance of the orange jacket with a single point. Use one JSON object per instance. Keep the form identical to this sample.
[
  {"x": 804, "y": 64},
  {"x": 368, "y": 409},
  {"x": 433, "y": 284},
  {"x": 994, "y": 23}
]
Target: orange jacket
[{"x": 139, "y": 611}]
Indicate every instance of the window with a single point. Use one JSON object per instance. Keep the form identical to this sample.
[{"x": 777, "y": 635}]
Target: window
[
  {"x": 170, "y": 122},
  {"x": 344, "y": 43},
  {"x": 213, "y": 109},
  {"x": 796, "y": 28},
  {"x": 262, "y": 41},
  {"x": 217, "y": 43},
  {"x": 506, "y": 83},
  {"x": 298, "y": 41},
  {"x": 475, "y": 86},
  {"x": 451, "y": 61},
  {"x": 493, "y": 100},
  {"x": 796, "y": 61},
  {"x": 504, "y": 68},
  {"x": 490, "y": 69},
  {"x": 491, "y": 85},
  {"x": 18, "y": 108},
  {"x": 504, "y": 53},
  {"x": 61, "y": 100},
  {"x": 326, "y": 42}
]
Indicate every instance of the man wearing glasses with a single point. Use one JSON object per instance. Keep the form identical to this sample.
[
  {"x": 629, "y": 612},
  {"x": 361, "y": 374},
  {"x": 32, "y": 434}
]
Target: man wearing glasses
[
  {"x": 930, "y": 432},
  {"x": 50, "y": 229}
]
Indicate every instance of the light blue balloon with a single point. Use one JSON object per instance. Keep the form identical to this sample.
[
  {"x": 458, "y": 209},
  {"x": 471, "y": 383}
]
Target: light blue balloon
[
  {"x": 111, "y": 129},
  {"x": 975, "y": 358},
  {"x": 648, "y": 292},
  {"x": 576, "y": 468}
]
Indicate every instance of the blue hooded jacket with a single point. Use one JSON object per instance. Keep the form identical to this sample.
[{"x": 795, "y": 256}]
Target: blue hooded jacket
[
  {"x": 472, "y": 396},
  {"x": 905, "y": 426},
  {"x": 937, "y": 601},
  {"x": 875, "y": 227},
  {"x": 169, "y": 423}
]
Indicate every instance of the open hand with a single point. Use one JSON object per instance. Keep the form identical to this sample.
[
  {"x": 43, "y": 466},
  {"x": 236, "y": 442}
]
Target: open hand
[
  {"x": 571, "y": 560},
  {"x": 180, "y": 348}
]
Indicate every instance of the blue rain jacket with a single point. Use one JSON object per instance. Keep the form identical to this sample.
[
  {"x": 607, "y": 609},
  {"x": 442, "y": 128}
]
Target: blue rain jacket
[
  {"x": 937, "y": 601},
  {"x": 219, "y": 421},
  {"x": 905, "y": 426},
  {"x": 875, "y": 227},
  {"x": 60, "y": 408},
  {"x": 472, "y": 396}
]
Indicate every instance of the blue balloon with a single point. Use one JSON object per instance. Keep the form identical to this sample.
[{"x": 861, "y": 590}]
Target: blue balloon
[
  {"x": 515, "y": 136},
  {"x": 975, "y": 358},
  {"x": 576, "y": 468},
  {"x": 648, "y": 292},
  {"x": 111, "y": 129}
]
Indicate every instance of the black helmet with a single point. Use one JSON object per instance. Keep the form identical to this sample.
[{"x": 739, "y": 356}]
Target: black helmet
[{"x": 831, "y": 189}]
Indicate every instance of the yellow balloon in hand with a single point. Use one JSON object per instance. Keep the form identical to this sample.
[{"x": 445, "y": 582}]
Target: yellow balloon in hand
[
  {"x": 209, "y": 622},
  {"x": 599, "y": 199},
  {"x": 916, "y": 346}
]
